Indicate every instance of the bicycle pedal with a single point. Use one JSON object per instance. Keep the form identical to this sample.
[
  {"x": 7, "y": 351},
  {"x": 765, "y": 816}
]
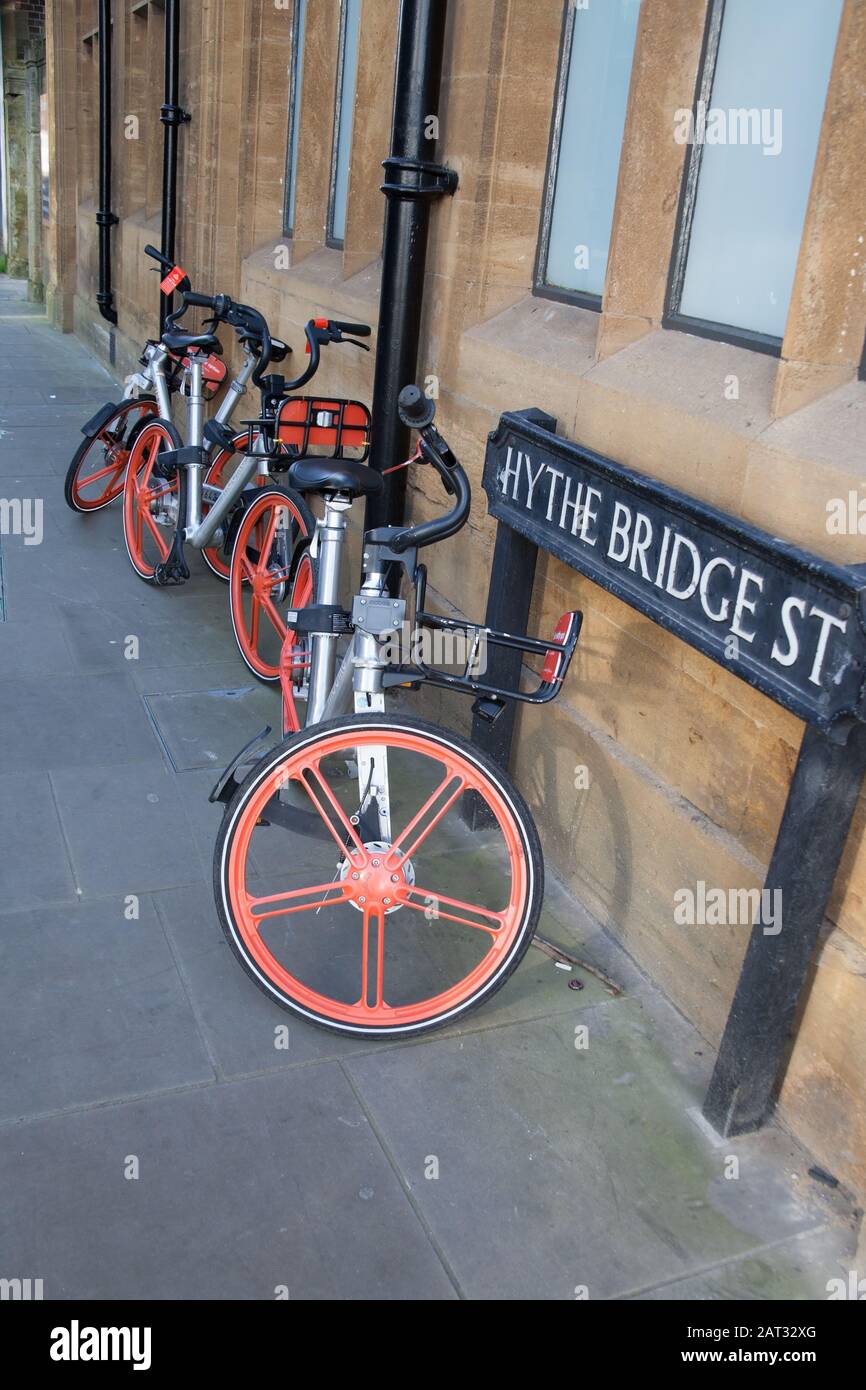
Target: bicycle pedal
[
  {"x": 167, "y": 574},
  {"x": 174, "y": 569}
]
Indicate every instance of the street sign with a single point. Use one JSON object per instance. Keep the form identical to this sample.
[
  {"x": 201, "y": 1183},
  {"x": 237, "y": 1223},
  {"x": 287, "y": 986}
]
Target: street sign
[{"x": 787, "y": 622}]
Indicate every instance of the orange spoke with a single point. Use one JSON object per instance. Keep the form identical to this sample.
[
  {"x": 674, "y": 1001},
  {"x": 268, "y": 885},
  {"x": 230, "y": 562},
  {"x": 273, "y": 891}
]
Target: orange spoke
[
  {"x": 342, "y": 818},
  {"x": 104, "y": 472},
  {"x": 416, "y": 819},
  {"x": 333, "y": 893},
  {"x": 373, "y": 912},
  {"x": 274, "y": 616},
  {"x": 405, "y": 896}
]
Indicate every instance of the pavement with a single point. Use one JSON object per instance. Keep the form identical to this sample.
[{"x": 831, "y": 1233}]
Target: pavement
[{"x": 157, "y": 1140}]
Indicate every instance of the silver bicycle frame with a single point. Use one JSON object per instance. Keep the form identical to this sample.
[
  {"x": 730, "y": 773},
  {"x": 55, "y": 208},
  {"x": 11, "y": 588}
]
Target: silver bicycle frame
[
  {"x": 364, "y": 660},
  {"x": 200, "y": 531}
]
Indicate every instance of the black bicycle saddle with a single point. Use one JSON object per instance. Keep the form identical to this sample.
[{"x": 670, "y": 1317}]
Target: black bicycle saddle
[
  {"x": 182, "y": 342},
  {"x": 311, "y": 474}
]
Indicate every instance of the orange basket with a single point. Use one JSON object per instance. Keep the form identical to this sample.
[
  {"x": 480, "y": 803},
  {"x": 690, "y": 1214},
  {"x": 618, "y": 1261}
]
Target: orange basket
[{"x": 319, "y": 425}]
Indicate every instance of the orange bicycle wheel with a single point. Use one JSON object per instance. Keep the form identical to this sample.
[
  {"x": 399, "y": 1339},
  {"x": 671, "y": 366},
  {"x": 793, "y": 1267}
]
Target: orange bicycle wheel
[
  {"x": 218, "y": 474},
  {"x": 295, "y": 651},
  {"x": 261, "y": 572},
  {"x": 98, "y": 469},
  {"x": 438, "y": 879},
  {"x": 150, "y": 502}
]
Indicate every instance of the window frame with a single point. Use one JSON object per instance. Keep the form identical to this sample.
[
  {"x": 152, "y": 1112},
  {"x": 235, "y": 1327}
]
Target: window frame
[
  {"x": 334, "y": 242},
  {"x": 582, "y": 298},
  {"x": 293, "y": 118},
  {"x": 672, "y": 318}
]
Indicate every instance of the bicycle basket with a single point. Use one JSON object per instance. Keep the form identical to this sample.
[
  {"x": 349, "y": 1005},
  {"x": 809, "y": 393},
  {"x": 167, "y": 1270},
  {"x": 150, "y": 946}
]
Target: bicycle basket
[{"x": 325, "y": 427}]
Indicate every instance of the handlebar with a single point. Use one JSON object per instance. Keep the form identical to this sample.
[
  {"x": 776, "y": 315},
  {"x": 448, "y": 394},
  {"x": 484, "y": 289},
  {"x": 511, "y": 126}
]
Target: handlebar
[
  {"x": 158, "y": 256},
  {"x": 417, "y": 411},
  {"x": 248, "y": 320},
  {"x": 320, "y": 331}
]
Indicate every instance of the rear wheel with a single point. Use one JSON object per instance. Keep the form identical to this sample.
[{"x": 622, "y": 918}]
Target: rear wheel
[
  {"x": 217, "y": 558},
  {"x": 151, "y": 503},
  {"x": 98, "y": 468},
  {"x": 262, "y": 570},
  {"x": 360, "y": 888},
  {"x": 296, "y": 649}
]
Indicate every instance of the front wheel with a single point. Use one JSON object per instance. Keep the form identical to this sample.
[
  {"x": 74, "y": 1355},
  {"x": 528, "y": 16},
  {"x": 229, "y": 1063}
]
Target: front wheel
[
  {"x": 151, "y": 502},
  {"x": 378, "y": 876},
  {"x": 262, "y": 570},
  {"x": 98, "y": 468}
]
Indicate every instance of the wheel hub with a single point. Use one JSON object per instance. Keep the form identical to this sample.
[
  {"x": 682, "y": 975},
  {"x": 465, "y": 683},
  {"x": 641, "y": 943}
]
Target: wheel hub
[{"x": 375, "y": 884}]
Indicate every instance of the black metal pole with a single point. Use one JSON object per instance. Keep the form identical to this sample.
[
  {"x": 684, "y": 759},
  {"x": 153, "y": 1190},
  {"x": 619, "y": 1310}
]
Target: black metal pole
[
  {"x": 817, "y": 817},
  {"x": 412, "y": 178},
  {"x": 171, "y": 115},
  {"x": 105, "y": 218}
]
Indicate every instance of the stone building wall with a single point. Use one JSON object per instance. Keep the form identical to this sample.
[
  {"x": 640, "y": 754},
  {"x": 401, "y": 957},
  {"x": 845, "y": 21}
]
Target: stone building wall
[{"x": 688, "y": 767}]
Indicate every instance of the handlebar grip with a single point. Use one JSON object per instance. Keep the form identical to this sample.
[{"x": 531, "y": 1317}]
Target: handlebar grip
[
  {"x": 158, "y": 256},
  {"x": 200, "y": 301},
  {"x": 415, "y": 409},
  {"x": 358, "y": 330}
]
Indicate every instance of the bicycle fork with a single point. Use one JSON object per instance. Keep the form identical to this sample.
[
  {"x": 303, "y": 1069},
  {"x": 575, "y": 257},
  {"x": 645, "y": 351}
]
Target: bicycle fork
[{"x": 366, "y": 662}]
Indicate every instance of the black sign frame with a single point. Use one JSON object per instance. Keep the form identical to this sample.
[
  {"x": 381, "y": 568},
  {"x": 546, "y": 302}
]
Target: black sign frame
[{"x": 831, "y": 764}]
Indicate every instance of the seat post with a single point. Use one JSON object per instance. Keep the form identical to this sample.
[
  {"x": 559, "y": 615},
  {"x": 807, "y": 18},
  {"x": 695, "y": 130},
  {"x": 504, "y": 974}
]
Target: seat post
[{"x": 329, "y": 540}]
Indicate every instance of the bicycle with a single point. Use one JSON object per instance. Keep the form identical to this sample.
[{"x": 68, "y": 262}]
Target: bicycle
[
  {"x": 97, "y": 472},
  {"x": 169, "y": 501},
  {"x": 397, "y": 815}
]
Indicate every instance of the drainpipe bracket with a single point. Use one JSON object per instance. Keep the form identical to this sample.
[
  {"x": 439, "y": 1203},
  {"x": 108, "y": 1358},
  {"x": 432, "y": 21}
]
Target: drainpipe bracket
[
  {"x": 106, "y": 219},
  {"x": 173, "y": 115},
  {"x": 418, "y": 178}
]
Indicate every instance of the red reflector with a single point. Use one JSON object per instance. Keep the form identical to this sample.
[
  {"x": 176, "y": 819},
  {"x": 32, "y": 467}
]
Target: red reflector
[
  {"x": 172, "y": 280},
  {"x": 550, "y": 669}
]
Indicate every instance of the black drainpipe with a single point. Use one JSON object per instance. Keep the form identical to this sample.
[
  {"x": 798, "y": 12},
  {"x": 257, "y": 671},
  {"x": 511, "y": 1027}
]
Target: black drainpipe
[
  {"x": 171, "y": 115},
  {"x": 105, "y": 218},
  {"x": 411, "y": 181}
]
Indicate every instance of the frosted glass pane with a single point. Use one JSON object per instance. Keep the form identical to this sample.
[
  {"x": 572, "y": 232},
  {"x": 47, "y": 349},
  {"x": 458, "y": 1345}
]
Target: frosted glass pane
[
  {"x": 774, "y": 57},
  {"x": 344, "y": 134},
  {"x": 294, "y": 119},
  {"x": 593, "y": 117}
]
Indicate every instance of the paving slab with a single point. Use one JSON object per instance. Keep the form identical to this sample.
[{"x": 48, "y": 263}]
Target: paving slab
[
  {"x": 563, "y": 1170},
  {"x": 98, "y": 1013},
  {"x": 797, "y": 1269},
  {"x": 34, "y": 861},
  {"x": 275, "y": 1187},
  {"x": 79, "y": 721},
  {"x": 126, "y": 828}
]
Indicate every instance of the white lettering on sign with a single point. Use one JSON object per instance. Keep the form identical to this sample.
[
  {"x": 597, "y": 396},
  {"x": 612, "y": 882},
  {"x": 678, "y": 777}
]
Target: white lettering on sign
[{"x": 730, "y": 594}]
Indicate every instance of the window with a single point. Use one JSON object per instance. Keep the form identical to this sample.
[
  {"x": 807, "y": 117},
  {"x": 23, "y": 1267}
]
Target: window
[
  {"x": 299, "y": 20},
  {"x": 592, "y": 94},
  {"x": 752, "y": 140},
  {"x": 347, "y": 67}
]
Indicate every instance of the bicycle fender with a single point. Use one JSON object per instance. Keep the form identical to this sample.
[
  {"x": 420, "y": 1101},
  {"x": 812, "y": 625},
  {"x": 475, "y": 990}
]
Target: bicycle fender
[
  {"x": 228, "y": 783},
  {"x": 100, "y": 419}
]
